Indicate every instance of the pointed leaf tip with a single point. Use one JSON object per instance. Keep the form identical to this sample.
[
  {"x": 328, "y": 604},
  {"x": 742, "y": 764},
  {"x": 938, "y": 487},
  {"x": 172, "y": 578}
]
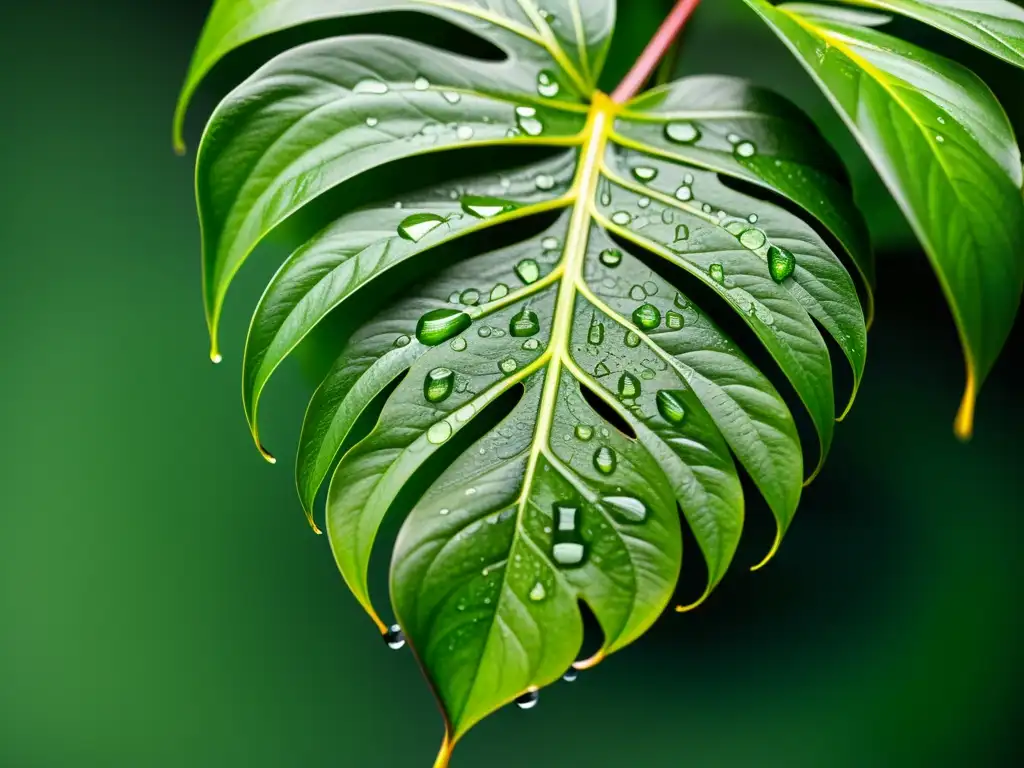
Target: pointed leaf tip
[
  {"x": 963, "y": 427},
  {"x": 771, "y": 552}
]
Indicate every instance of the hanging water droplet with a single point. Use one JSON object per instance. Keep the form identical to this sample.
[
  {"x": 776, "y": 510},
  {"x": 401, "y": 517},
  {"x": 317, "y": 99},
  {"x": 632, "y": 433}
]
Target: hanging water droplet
[
  {"x": 745, "y": 149},
  {"x": 644, "y": 173},
  {"x": 464, "y": 132},
  {"x": 526, "y": 119},
  {"x": 371, "y": 122},
  {"x": 673, "y": 320},
  {"x": 439, "y": 325},
  {"x": 528, "y": 700},
  {"x": 419, "y": 225},
  {"x": 631, "y": 340},
  {"x": 452, "y": 97},
  {"x": 508, "y": 365},
  {"x": 611, "y": 257},
  {"x": 485, "y": 207},
  {"x": 626, "y": 508},
  {"x": 421, "y": 84},
  {"x": 568, "y": 543},
  {"x": 752, "y": 239},
  {"x": 570, "y": 675},
  {"x": 601, "y": 370},
  {"x": 622, "y": 218},
  {"x": 395, "y": 638},
  {"x": 545, "y": 182},
  {"x": 538, "y": 592},
  {"x": 458, "y": 344},
  {"x": 647, "y": 316},
  {"x": 584, "y": 432},
  {"x": 605, "y": 460},
  {"x": 595, "y": 335},
  {"x": 547, "y": 85},
  {"x": 402, "y": 341},
  {"x": 684, "y": 193},
  {"x": 629, "y": 386},
  {"x": 438, "y": 384},
  {"x": 370, "y": 86},
  {"x": 500, "y": 291},
  {"x": 524, "y": 323},
  {"x": 439, "y": 432},
  {"x": 682, "y": 132},
  {"x": 682, "y": 233},
  {"x": 717, "y": 273},
  {"x": 470, "y": 297},
  {"x": 528, "y": 271},
  {"x": 670, "y": 406},
  {"x": 781, "y": 263}
]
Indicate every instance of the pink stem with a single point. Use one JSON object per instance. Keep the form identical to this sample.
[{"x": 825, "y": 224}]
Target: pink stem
[{"x": 654, "y": 52}]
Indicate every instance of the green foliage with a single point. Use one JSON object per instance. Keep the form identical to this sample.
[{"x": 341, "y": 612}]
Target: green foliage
[{"x": 640, "y": 215}]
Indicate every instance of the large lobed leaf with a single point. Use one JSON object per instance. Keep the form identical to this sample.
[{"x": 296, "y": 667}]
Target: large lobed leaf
[
  {"x": 941, "y": 143},
  {"x": 657, "y": 206}
]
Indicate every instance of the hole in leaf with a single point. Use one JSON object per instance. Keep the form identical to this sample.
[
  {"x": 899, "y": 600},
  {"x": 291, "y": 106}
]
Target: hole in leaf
[{"x": 606, "y": 412}]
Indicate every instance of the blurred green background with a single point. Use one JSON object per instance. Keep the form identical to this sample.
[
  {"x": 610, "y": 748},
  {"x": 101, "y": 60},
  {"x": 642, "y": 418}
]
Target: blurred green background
[{"x": 162, "y": 602}]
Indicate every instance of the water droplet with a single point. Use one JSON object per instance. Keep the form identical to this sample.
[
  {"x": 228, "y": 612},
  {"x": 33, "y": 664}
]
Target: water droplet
[
  {"x": 584, "y": 432},
  {"x": 500, "y": 291},
  {"x": 458, "y": 344},
  {"x": 631, "y": 340},
  {"x": 452, "y": 97},
  {"x": 485, "y": 207},
  {"x": 647, "y": 316},
  {"x": 568, "y": 543},
  {"x": 733, "y": 138},
  {"x": 637, "y": 293},
  {"x": 470, "y": 297},
  {"x": 752, "y": 239},
  {"x": 781, "y": 263},
  {"x": 464, "y": 133},
  {"x": 528, "y": 700},
  {"x": 752, "y": 218},
  {"x": 940, "y": 138},
  {"x": 601, "y": 370},
  {"x": 682, "y": 132},
  {"x": 626, "y": 508},
  {"x": 528, "y": 271},
  {"x": 524, "y": 323},
  {"x": 717, "y": 273},
  {"x": 508, "y": 365},
  {"x": 684, "y": 193},
  {"x": 444, "y": 512},
  {"x": 370, "y": 86},
  {"x": 439, "y": 432},
  {"x": 680, "y": 301},
  {"x": 629, "y": 386},
  {"x": 682, "y": 233},
  {"x": 706, "y": 207},
  {"x": 421, "y": 84},
  {"x": 605, "y": 460},
  {"x": 545, "y": 182},
  {"x": 670, "y": 406},
  {"x": 531, "y": 345},
  {"x": 643, "y": 202},
  {"x": 595, "y": 335},
  {"x": 611, "y": 257},
  {"x": 673, "y": 320},
  {"x": 465, "y": 413},
  {"x": 395, "y": 638},
  {"x": 549, "y": 243},
  {"x": 419, "y": 225},
  {"x": 439, "y": 325},
  {"x": 438, "y": 384},
  {"x": 570, "y": 675},
  {"x": 547, "y": 85},
  {"x": 622, "y": 218},
  {"x": 745, "y": 149},
  {"x": 402, "y": 341},
  {"x": 526, "y": 119},
  {"x": 371, "y": 122},
  {"x": 538, "y": 592},
  {"x": 484, "y": 331},
  {"x": 644, "y": 173}
]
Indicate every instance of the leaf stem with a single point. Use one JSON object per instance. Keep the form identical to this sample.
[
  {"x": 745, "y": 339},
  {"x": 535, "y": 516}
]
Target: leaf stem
[{"x": 655, "y": 51}]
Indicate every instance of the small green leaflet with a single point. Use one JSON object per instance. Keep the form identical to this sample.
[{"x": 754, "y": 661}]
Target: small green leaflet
[{"x": 591, "y": 301}]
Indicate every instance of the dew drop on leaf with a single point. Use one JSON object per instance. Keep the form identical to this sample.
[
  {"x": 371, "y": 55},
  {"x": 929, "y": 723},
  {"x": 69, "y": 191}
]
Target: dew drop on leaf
[
  {"x": 601, "y": 370},
  {"x": 611, "y": 257},
  {"x": 673, "y": 320},
  {"x": 419, "y": 225},
  {"x": 508, "y": 365},
  {"x": 671, "y": 407},
  {"x": 531, "y": 345},
  {"x": 684, "y": 193},
  {"x": 538, "y": 592},
  {"x": 485, "y": 207},
  {"x": 631, "y": 340},
  {"x": 439, "y": 432},
  {"x": 605, "y": 460},
  {"x": 395, "y": 638},
  {"x": 438, "y": 384},
  {"x": 745, "y": 149},
  {"x": 371, "y": 122},
  {"x": 547, "y": 85},
  {"x": 545, "y": 182},
  {"x": 524, "y": 323},
  {"x": 717, "y": 273},
  {"x": 526, "y": 119},
  {"x": 682, "y": 233},
  {"x": 752, "y": 239},
  {"x": 549, "y": 243},
  {"x": 626, "y": 508},
  {"x": 584, "y": 432},
  {"x": 647, "y": 316},
  {"x": 421, "y": 84},
  {"x": 484, "y": 331},
  {"x": 644, "y": 173},
  {"x": 452, "y": 97},
  {"x": 470, "y": 297},
  {"x": 402, "y": 341},
  {"x": 682, "y": 132},
  {"x": 464, "y": 133},
  {"x": 568, "y": 543},
  {"x": 370, "y": 86},
  {"x": 637, "y": 293},
  {"x": 781, "y": 263},
  {"x": 629, "y": 386},
  {"x": 595, "y": 335},
  {"x": 622, "y": 218},
  {"x": 528, "y": 271},
  {"x": 439, "y": 325},
  {"x": 458, "y": 344},
  {"x": 499, "y": 291}
]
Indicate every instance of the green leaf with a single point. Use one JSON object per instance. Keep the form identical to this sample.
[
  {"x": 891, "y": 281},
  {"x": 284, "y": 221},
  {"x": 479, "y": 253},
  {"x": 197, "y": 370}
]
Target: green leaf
[
  {"x": 945, "y": 149},
  {"x": 994, "y": 26},
  {"x": 556, "y": 504}
]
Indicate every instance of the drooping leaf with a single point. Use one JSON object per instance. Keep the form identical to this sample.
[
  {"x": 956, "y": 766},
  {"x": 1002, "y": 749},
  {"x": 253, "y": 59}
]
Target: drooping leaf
[
  {"x": 557, "y": 504},
  {"x": 946, "y": 150}
]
